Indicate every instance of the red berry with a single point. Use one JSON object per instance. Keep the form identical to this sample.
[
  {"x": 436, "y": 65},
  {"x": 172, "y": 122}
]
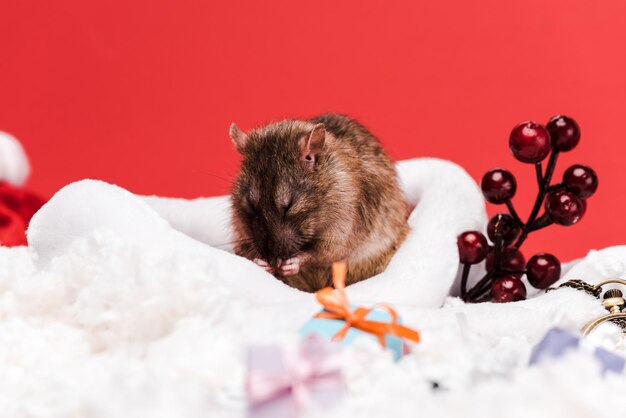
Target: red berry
[
  {"x": 564, "y": 133},
  {"x": 507, "y": 227},
  {"x": 498, "y": 185},
  {"x": 580, "y": 180},
  {"x": 507, "y": 289},
  {"x": 543, "y": 270},
  {"x": 530, "y": 142},
  {"x": 473, "y": 247},
  {"x": 564, "y": 207},
  {"x": 512, "y": 260}
]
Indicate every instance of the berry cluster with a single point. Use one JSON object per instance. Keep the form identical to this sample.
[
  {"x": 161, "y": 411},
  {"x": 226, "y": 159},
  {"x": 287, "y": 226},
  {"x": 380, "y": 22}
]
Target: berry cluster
[{"x": 564, "y": 204}]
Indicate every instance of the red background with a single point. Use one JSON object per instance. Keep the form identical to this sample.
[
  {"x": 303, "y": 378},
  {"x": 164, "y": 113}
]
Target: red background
[{"x": 141, "y": 93}]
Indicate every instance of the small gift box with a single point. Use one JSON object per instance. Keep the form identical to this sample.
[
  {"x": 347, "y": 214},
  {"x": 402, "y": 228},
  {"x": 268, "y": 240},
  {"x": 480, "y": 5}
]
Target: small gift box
[
  {"x": 558, "y": 342},
  {"x": 284, "y": 379},
  {"x": 340, "y": 321}
]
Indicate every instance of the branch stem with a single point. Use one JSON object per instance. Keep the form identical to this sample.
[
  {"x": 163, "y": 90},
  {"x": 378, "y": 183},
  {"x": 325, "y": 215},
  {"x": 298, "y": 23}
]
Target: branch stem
[
  {"x": 513, "y": 212},
  {"x": 544, "y": 184},
  {"x": 466, "y": 270}
]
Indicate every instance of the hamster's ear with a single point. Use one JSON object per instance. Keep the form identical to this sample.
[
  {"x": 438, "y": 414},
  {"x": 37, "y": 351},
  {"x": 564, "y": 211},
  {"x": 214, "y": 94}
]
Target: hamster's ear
[
  {"x": 311, "y": 146},
  {"x": 238, "y": 136}
]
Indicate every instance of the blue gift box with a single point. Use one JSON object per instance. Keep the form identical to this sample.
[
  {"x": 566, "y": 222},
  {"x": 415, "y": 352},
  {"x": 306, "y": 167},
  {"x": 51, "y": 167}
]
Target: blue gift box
[
  {"x": 557, "y": 342},
  {"x": 327, "y": 328}
]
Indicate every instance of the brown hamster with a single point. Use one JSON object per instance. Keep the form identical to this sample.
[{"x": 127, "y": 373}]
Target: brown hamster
[{"x": 312, "y": 192}]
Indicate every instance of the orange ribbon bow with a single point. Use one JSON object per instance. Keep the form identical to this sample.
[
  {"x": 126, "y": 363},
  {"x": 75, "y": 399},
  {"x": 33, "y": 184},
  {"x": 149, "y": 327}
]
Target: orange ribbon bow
[{"x": 336, "y": 306}]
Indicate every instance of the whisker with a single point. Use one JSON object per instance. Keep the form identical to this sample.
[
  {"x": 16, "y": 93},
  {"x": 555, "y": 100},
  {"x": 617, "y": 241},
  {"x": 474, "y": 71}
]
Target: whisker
[{"x": 241, "y": 241}]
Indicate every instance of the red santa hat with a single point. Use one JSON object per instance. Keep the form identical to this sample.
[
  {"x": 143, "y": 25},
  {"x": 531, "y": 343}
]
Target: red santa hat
[{"x": 17, "y": 204}]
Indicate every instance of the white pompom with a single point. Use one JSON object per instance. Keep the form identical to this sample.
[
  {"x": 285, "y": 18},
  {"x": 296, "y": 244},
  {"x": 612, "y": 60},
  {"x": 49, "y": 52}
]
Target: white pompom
[{"x": 14, "y": 165}]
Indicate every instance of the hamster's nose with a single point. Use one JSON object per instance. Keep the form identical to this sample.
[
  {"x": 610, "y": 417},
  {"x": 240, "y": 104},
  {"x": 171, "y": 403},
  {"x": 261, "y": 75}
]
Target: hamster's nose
[{"x": 286, "y": 240}]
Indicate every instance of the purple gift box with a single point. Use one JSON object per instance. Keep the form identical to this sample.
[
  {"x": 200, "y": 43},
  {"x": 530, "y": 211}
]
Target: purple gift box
[
  {"x": 285, "y": 379},
  {"x": 557, "y": 342}
]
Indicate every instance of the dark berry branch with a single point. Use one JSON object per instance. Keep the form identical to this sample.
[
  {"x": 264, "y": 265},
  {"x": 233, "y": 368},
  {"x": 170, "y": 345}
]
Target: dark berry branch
[
  {"x": 497, "y": 249},
  {"x": 466, "y": 270},
  {"x": 550, "y": 170},
  {"x": 478, "y": 289},
  {"x": 539, "y": 174},
  {"x": 541, "y": 222},
  {"x": 482, "y": 293},
  {"x": 556, "y": 187},
  {"x": 564, "y": 204},
  {"x": 513, "y": 212},
  {"x": 486, "y": 281},
  {"x": 543, "y": 185}
]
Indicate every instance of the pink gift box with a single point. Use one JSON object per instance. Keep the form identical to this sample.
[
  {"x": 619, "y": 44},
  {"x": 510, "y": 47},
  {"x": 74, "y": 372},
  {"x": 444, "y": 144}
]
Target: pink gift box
[{"x": 283, "y": 380}]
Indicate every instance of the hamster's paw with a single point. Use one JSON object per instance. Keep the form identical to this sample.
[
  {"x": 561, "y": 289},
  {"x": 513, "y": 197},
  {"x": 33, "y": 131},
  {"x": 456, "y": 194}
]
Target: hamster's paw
[
  {"x": 264, "y": 265},
  {"x": 290, "y": 267}
]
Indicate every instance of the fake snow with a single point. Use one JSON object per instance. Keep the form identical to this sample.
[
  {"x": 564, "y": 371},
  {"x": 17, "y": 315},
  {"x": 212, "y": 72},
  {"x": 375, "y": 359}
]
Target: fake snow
[{"x": 130, "y": 307}]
